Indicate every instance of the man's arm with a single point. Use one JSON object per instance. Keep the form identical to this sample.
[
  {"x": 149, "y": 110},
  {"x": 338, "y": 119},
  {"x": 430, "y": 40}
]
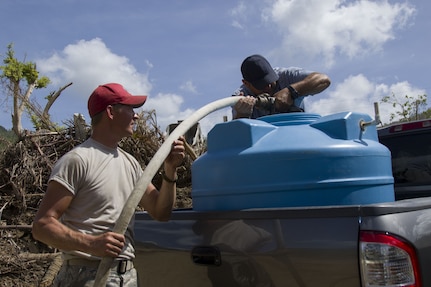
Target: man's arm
[
  {"x": 243, "y": 108},
  {"x": 159, "y": 204},
  {"x": 310, "y": 85},
  {"x": 48, "y": 229}
]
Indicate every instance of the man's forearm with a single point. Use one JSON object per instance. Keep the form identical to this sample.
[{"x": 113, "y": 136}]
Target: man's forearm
[
  {"x": 57, "y": 235},
  {"x": 312, "y": 84}
]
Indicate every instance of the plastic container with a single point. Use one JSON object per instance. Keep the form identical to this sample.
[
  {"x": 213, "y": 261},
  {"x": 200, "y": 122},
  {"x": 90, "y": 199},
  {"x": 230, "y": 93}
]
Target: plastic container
[{"x": 296, "y": 159}]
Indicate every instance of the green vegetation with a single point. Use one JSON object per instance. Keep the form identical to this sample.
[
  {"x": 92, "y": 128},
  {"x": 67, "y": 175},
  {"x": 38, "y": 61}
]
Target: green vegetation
[
  {"x": 19, "y": 79},
  {"x": 410, "y": 109},
  {"x": 7, "y": 137}
]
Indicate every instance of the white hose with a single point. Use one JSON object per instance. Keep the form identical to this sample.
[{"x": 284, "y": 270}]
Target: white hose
[{"x": 149, "y": 172}]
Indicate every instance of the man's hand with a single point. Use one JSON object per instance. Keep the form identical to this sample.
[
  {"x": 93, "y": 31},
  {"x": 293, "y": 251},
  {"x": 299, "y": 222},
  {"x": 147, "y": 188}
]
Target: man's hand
[
  {"x": 109, "y": 244},
  {"x": 283, "y": 101},
  {"x": 244, "y": 106},
  {"x": 177, "y": 154}
]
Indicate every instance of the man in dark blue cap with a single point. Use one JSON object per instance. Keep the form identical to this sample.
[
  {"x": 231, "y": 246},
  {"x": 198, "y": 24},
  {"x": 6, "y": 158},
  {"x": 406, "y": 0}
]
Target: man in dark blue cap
[{"x": 268, "y": 90}]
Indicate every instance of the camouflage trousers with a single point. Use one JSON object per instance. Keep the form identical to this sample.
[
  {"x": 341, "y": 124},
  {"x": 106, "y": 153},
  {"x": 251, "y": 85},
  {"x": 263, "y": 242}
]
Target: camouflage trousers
[{"x": 83, "y": 276}]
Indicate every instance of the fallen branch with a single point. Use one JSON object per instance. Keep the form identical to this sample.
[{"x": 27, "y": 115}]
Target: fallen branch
[
  {"x": 21, "y": 227},
  {"x": 40, "y": 134},
  {"x": 52, "y": 271},
  {"x": 38, "y": 256},
  {"x": 1, "y": 209}
]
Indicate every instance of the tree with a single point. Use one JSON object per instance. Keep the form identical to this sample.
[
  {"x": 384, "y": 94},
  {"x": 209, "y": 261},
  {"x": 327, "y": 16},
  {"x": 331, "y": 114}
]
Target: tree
[
  {"x": 20, "y": 79},
  {"x": 426, "y": 114},
  {"x": 412, "y": 108},
  {"x": 41, "y": 119},
  {"x": 6, "y": 138}
]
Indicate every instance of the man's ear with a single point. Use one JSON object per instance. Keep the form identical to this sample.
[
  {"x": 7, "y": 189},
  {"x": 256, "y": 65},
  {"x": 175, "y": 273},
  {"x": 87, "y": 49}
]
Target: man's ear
[{"x": 110, "y": 111}]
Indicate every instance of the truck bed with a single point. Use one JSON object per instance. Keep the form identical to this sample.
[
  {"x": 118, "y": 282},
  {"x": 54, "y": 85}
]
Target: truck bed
[{"x": 311, "y": 246}]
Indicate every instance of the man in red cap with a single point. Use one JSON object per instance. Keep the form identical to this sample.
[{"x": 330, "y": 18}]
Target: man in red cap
[
  {"x": 284, "y": 88},
  {"x": 88, "y": 188}
]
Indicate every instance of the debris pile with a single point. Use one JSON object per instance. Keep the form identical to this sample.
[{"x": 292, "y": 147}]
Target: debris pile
[{"x": 24, "y": 170}]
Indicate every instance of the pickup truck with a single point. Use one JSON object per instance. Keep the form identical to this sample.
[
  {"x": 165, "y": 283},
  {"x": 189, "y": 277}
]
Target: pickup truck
[
  {"x": 410, "y": 147},
  {"x": 385, "y": 242}
]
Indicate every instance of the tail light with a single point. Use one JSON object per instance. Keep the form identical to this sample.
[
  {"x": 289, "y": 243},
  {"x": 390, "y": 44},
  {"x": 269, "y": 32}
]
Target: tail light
[{"x": 387, "y": 260}]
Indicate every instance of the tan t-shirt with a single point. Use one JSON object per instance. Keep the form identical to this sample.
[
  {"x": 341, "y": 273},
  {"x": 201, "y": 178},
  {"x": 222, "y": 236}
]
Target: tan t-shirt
[{"x": 101, "y": 180}]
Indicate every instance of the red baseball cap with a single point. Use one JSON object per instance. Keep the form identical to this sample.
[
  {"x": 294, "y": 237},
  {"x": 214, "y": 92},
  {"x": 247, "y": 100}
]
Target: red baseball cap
[{"x": 111, "y": 94}]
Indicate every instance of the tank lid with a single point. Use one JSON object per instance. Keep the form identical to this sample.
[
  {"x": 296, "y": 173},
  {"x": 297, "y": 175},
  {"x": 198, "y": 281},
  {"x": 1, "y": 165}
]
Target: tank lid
[{"x": 289, "y": 119}]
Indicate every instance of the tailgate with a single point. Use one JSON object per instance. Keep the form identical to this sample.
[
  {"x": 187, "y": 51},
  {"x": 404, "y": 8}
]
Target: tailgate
[{"x": 269, "y": 247}]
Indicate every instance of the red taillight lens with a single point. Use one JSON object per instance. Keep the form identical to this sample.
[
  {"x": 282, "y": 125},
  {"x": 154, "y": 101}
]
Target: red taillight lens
[{"x": 387, "y": 260}]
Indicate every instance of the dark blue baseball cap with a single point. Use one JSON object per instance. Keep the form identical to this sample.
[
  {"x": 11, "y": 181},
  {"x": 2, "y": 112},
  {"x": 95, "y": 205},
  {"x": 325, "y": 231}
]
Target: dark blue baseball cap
[{"x": 258, "y": 71}]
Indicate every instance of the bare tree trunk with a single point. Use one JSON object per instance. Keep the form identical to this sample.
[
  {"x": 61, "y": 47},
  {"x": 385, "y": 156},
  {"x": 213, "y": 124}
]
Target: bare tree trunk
[
  {"x": 16, "y": 115},
  {"x": 52, "y": 98},
  {"x": 19, "y": 102}
]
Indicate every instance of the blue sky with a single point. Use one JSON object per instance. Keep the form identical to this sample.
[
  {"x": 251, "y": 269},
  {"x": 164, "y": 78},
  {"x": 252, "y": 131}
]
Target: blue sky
[{"x": 186, "y": 54}]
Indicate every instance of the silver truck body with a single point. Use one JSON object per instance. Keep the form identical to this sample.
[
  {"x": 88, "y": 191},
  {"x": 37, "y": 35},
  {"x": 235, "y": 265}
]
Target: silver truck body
[{"x": 316, "y": 246}]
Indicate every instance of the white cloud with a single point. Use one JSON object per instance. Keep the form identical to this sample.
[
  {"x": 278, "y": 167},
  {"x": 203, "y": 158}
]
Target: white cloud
[
  {"x": 90, "y": 63},
  {"x": 330, "y": 27},
  {"x": 189, "y": 87},
  {"x": 358, "y": 94},
  {"x": 354, "y": 94},
  {"x": 167, "y": 107},
  {"x": 238, "y": 15}
]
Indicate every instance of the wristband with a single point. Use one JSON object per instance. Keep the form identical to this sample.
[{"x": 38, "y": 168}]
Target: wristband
[
  {"x": 293, "y": 92},
  {"x": 165, "y": 177}
]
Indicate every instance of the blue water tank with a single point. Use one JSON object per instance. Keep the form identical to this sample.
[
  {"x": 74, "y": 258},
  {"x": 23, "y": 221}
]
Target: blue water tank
[{"x": 294, "y": 159}]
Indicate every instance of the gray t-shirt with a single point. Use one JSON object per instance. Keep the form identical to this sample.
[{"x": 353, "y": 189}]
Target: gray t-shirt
[
  {"x": 287, "y": 76},
  {"x": 101, "y": 180}
]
